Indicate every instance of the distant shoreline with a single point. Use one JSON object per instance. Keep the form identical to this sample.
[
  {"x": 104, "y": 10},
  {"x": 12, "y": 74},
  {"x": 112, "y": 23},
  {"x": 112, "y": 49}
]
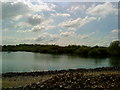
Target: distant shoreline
[{"x": 84, "y": 51}]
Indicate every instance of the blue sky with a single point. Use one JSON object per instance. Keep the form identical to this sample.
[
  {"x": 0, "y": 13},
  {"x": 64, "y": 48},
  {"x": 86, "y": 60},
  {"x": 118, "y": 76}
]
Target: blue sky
[{"x": 61, "y": 23}]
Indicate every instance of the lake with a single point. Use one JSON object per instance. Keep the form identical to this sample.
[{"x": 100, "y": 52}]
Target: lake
[{"x": 28, "y": 61}]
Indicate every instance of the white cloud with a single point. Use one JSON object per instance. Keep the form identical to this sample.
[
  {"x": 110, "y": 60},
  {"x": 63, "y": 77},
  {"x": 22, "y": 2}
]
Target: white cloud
[
  {"x": 11, "y": 9},
  {"x": 35, "y": 19},
  {"x": 43, "y": 7},
  {"x": 47, "y": 38},
  {"x": 42, "y": 27},
  {"x": 75, "y": 38},
  {"x": 23, "y": 31},
  {"x": 79, "y": 22},
  {"x": 85, "y": 36},
  {"x": 63, "y": 37},
  {"x": 72, "y": 28},
  {"x": 102, "y": 10},
  {"x": 54, "y": 37},
  {"x": 28, "y": 40},
  {"x": 73, "y": 35},
  {"x": 38, "y": 28},
  {"x": 114, "y": 31},
  {"x": 66, "y": 34},
  {"x": 48, "y": 21},
  {"x": 61, "y": 14},
  {"x": 23, "y": 7},
  {"x": 36, "y": 23},
  {"x": 42, "y": 37},
  {"x": 22, "y": 25},
  {"x": 73, "y": 9},
  {"x": 17, "y": 18}
]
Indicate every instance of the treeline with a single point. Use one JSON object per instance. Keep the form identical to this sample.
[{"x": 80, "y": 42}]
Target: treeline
[{"x": 84, "y": 51}]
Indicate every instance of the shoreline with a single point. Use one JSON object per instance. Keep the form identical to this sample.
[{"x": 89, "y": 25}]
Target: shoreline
[
  {"x": 73, "y": 54},
  {"x": 49, "y": 72},
  {"x": 105, "y": 78}
]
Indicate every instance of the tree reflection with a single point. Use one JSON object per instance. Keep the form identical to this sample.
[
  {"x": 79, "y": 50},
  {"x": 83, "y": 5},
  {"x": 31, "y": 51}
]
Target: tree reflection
[{"x": 114, "y": 61}]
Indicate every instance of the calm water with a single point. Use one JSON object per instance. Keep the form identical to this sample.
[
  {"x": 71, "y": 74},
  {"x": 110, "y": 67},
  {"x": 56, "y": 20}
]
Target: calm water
[{"x": 28, "y": 61}]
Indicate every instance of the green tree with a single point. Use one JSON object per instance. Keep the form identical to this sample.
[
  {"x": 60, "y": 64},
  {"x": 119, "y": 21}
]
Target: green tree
[
  {"x": 82, "y": 51},
  {"x": 114, "y": 48}
]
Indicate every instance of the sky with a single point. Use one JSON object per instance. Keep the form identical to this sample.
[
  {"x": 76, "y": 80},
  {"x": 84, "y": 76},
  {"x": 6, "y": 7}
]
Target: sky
[{"x": 61, "y": 23}]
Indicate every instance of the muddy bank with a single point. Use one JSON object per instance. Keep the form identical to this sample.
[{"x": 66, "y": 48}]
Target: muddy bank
[{"x": 98, "y": 78}]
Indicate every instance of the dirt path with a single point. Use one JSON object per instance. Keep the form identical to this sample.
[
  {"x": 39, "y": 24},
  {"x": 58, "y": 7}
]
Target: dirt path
[{"x": 18, "y": 81}]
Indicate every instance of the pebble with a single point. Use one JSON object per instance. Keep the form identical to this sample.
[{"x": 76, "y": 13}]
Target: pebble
[{"x": 75, "y": 80}]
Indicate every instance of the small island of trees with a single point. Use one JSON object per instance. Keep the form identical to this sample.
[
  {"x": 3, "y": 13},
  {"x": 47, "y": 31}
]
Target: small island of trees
[{"x": 84, "y": 51}]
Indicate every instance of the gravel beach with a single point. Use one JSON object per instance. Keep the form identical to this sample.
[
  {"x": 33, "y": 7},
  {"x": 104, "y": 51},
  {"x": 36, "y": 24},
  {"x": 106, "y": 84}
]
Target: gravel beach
[{"x": 107, "y": 78}]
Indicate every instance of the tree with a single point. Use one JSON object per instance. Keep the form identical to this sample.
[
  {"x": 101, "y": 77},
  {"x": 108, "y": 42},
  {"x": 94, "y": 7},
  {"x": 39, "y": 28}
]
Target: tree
[{"x": 114, "y": 48}]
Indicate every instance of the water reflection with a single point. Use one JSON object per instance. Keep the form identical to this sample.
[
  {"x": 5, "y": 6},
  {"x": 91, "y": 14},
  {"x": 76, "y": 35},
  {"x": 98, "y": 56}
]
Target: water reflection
[
  {"x": 95, "y": 60},
  {"x": 51, "y": 57},
  {"x": 27, "y": 61},
  {"x": 114, "y": 61}
]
